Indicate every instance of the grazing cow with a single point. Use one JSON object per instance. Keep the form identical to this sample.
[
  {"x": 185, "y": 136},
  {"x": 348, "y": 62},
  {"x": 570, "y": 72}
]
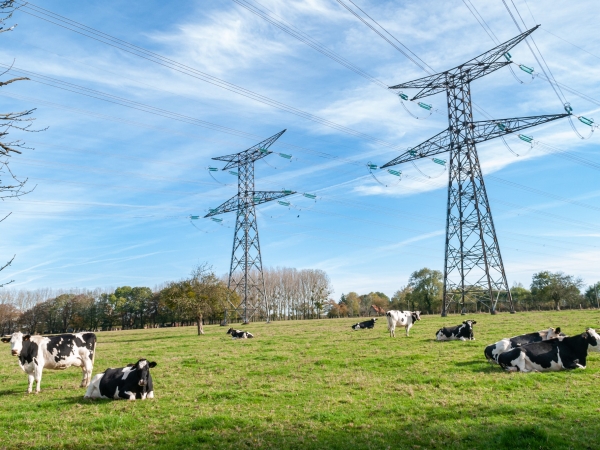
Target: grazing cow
[
  {"x": 462, "y": 332},
  {"x": 239, "y": 334},
  {"x": 365, "y": 324},
  {"x": 36, "y": 353},
  {"x": 127, "y": 383},
  {"x": 404, "y": 319},
  {"x": 552, "y": 355},
  {"x": 492, "y": 352}
]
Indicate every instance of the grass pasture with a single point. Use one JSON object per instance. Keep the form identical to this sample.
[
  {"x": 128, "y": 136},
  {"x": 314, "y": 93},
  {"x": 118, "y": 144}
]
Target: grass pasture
[{"x": 315, "y": 385}]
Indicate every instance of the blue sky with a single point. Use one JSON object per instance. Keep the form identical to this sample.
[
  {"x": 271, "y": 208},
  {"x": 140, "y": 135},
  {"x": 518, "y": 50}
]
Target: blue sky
[{"x": 115, "y": 185}]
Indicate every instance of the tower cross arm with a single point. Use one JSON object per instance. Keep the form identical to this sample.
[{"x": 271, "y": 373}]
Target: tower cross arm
[
  {"x": 439, "y": 143},
  {"x": 477, "y": 67},
  {"x": 490, "y": 129},
  {"x": 252, "y": 154},
  {"x": 230, "y": 205},
  {"x": 250, "y": 198},
  {"x": 259, "y": 197}
]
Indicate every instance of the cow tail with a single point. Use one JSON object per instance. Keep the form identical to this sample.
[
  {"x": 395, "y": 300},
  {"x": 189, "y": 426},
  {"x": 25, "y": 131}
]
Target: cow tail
[{"x": 94, "y": 351}]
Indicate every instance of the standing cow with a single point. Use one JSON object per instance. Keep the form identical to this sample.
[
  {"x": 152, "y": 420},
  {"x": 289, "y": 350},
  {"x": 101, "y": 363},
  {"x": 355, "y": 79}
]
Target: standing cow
[
  {"x": 126, "y": 383},
  {"x": 404, "y": 319},
  {"x": 552, "y": 355},
  {"x": 492, "y": 352},
  {"x": 462, "y": 332},
  {"x": 36, "y": 353}
]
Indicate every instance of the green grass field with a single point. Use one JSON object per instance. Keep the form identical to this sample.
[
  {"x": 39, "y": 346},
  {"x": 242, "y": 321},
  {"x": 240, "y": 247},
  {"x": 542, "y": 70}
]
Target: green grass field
[{"x": 315, "y": 384}]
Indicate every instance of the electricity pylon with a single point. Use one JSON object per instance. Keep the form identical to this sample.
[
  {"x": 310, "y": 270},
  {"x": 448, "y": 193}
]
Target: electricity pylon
[
  {"x": 473, "y": 268},
  {"x": 245, "y": 273}
]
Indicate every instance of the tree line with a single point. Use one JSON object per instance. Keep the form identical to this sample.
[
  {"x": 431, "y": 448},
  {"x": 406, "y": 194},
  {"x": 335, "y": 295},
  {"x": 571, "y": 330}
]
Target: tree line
[
  {"x": 203, "y": 297},
  {"x": 424, "y": 291}
]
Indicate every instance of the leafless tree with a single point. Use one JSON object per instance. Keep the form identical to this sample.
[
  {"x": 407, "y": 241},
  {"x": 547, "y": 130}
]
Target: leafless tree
[
  {"x": 294, "y": 294},
  {"x": 10, "y": 185}
]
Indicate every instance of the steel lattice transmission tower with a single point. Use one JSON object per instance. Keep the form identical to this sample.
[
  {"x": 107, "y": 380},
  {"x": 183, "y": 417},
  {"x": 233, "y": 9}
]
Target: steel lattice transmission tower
[
  {"x": 245, "y": 272},
  {"x": 473, "y": 268}
]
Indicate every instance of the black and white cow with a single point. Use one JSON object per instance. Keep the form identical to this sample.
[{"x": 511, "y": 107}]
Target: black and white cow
[
  {"x": 462, "y": 332},
  {"x": 492, "y": 352},
  {"x": 36, "y": 353},
  {"x": 366, "y": 324},
  {"x": 404, "y": 319},
  {"x": 552, "y": 355},
  {"x": 126, "y": 383},
  {"x": 239, "y": 334}
]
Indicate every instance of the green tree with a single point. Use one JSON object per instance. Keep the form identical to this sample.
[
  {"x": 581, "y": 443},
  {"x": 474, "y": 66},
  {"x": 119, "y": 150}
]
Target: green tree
[
  {"x": 401, "y": 299},
  {"x": 352, "y": 302},
  {"x": 556, "y": 288},
  {"x": 592, "y": 295},
  {"x": 427, "y": 288},
  {"x": 522, "y": 297},
  {"x": 201, "y": 294}
]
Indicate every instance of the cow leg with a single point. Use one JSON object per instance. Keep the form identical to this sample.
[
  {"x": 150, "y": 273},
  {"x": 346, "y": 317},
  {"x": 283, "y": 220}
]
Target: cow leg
[
  {"x": 86, "y": 368},
  {"x": 574, "y": 365},
  {"x": 30, "y": 380},
  {"x": 38, "y": 377},
  {"x": 462, "y": 339},
  {"x": 408, "y": 327},
  {"x": 521, "y": 364}
]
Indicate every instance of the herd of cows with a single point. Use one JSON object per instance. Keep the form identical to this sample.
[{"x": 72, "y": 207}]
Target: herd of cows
[
  {"x": 546, "y": 350},
  {"x": 540, "y": 351}
]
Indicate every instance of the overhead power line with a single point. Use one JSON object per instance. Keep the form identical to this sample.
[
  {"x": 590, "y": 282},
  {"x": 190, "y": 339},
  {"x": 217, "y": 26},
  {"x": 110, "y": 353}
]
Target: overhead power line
[
  {"x": 400, "y": 47},
  {"x": 276, "y": 21},
  {"x": 153, "y": 57}
]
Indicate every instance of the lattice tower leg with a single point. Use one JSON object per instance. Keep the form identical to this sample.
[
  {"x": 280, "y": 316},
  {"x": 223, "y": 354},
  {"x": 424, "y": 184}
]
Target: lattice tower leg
[
  {"x": 246, "y": 273},
  {"x": 473, "y": 268}
]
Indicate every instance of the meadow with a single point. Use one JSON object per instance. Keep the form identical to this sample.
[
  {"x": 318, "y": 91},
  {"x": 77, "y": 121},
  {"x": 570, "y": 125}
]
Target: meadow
[{"x": 315, "y": 385}]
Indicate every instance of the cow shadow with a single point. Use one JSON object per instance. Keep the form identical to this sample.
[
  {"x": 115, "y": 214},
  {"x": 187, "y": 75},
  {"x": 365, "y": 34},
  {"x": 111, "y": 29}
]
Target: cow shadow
[
  {"x": 478, "y": 366},
  {"x": 13, "y": 392}
]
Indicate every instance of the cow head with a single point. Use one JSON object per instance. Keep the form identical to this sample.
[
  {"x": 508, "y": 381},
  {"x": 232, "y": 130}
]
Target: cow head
[
  {"x": 230, "y": 331},
  {"x": 470, "y": 323},
  {"x": 416, "y": 315},
  {"x": 593, "y": 339},
  {"x": 551, "y": 333},
  {"x": 142, "y": 370},
  {"x": 16, "y": 342}
]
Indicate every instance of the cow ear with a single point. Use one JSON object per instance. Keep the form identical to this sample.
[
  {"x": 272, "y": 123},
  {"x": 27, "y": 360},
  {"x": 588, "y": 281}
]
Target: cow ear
[
  {"x": 5, "y": 339},
  {"x": 474, "y": 322},
  {"x": 557, "y": 330},
  {"x": 26, "y": 338},
  {"x": 152, "y": 364},
  {"x": 130, "y": 365}
]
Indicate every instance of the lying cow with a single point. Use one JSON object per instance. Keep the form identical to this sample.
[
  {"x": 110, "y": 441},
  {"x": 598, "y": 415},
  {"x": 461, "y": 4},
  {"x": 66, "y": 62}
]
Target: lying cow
[
  {"x": 492, "y": 352},
  {"x": 552, "y": 355},
  {"x": 404, "y": 319},
  {"x": 127, "y": 383},
  {"x": 239, "y": 334},
  {"x": 462, "y": 332},
  {"x": 36, "y": 353},
  {"x": 366, "y": 324}
]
